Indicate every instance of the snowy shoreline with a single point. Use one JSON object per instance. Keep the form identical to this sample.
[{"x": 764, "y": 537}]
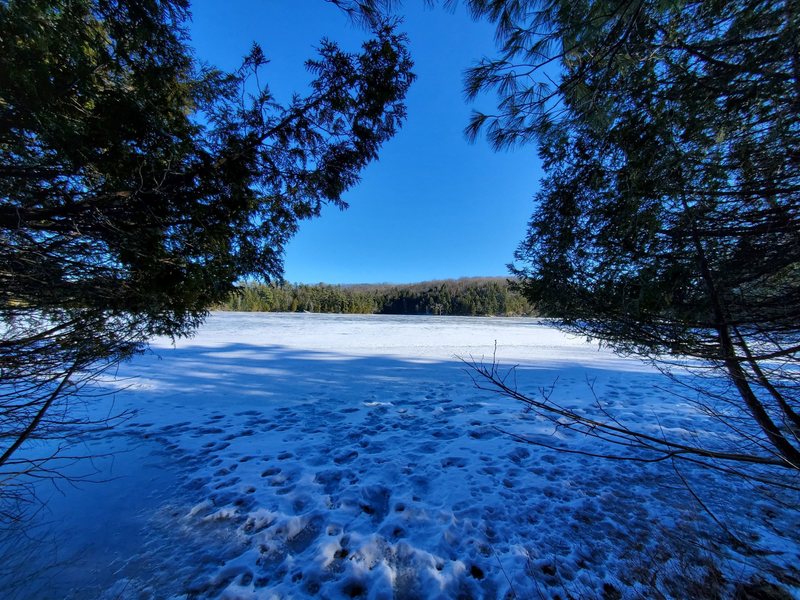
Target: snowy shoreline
[{"x": 342, "y": 456}]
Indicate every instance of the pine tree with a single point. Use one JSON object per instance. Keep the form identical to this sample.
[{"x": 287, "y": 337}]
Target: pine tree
[
  {"x": 668, "y": 221},
  {"x": 137, "y": 185},
  {"x": 669, "y": 218}
]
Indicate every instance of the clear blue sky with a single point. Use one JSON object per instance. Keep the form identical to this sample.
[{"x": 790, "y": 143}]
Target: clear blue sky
[{"x": 434, "y": 206}]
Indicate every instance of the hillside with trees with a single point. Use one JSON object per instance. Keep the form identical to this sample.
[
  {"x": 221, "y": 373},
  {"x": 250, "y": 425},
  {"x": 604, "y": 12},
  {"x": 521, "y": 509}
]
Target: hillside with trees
[{"x": 465, "y": 297}]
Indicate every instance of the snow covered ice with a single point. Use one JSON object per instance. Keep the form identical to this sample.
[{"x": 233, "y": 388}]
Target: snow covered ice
[{"x": 333, "y": 456}]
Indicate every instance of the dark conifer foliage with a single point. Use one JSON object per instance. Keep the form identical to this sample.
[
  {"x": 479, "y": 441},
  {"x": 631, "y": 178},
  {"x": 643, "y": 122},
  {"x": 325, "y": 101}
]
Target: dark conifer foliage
[
  {"x": 669, "y": 218},
  {"x": 137, "y": 184},
  {"x": 668, "y": 221}
]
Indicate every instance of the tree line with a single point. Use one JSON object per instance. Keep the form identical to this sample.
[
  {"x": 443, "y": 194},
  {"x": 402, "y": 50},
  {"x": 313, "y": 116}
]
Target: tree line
[{"x": 464, "y": 297}]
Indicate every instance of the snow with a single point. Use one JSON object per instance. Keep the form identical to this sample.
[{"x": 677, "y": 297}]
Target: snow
[{"x": 333, "y": 456}]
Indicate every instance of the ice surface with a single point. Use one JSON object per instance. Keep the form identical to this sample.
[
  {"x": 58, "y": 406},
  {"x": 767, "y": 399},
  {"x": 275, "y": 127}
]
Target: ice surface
[{"x": 341, "y": 456}]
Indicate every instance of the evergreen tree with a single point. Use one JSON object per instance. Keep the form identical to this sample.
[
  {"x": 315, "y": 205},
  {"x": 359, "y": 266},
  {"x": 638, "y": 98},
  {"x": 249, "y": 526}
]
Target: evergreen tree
[
  {"x": 137, "y": 185},
  {"x": 669, "y": 218},
  {"x": 668, "y": 221}
]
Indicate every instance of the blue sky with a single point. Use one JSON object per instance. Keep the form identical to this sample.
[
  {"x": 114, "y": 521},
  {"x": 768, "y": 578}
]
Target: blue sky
[{"x": 434, "y": 206}]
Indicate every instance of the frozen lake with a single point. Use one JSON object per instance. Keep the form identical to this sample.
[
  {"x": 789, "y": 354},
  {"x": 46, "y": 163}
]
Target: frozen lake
[{"x": 335, "y": 456}]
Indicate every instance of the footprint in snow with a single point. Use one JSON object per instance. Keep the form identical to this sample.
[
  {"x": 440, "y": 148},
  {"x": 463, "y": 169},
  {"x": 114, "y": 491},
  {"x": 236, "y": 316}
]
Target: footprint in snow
[
  {"x": 427, "y": 448},
  {"x": 196, "y": 483},
  {"x": 213, "y": 447},
  {"x": 445, "y": 434},
  {"x": 208, "y": 431},
  {"x": 284, "y": 478},
  {"x": 233, "y": 436},
  {"x": 285, "y": 490},
  {"x": 354, "y": 436},
  {"x": 454, "y": 461},
  {"x": 226, "y": 470},
  {"x": 373, "y": 447},
  {"x": 420, "y": 484},
  {"x": 227, "y": 483},
  {"x": 517, "y": 455},
  {"x": 176, "y": 427},
  {"x": 345, "y": 457},
  {"x": 302, "y": 540},
  {"x": 484, "y": 433},
  {"x": 332, "y": 480},
  {"x": 375, "y": 501}
]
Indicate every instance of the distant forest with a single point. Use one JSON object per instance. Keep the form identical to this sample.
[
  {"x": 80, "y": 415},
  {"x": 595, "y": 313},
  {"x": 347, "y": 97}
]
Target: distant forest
[{"x": 468, "y": 297}]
